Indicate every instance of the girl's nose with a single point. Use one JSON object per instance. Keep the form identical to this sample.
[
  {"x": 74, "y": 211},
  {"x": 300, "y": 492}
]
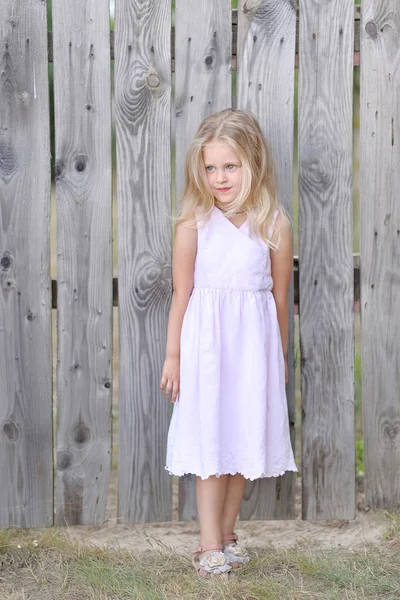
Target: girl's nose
[{"x": 221, "y": 176}]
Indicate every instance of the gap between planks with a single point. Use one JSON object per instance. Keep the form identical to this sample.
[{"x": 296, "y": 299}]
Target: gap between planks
[{"x": 356, "y": 260}]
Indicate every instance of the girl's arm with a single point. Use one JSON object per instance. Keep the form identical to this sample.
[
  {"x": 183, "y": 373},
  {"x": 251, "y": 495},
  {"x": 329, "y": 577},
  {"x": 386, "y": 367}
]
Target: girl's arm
[
  {"x": 281, "y": 270},
  {"x": 183, "y": 259}
]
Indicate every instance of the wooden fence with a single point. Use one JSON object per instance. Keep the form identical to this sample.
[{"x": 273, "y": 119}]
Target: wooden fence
[{"x": 269, "y": 41}]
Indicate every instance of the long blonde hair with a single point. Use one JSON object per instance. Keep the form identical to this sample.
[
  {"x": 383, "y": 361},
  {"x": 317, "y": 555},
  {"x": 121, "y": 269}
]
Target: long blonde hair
[{"x": 258, "y": 196}]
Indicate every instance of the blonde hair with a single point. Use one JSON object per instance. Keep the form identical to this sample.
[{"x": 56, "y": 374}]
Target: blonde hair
[{"x": 258, "y": 196}]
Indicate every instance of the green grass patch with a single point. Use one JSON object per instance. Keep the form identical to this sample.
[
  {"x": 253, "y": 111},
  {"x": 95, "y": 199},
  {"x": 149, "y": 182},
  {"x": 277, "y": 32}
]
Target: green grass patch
[{"x": 51, "y": 567}]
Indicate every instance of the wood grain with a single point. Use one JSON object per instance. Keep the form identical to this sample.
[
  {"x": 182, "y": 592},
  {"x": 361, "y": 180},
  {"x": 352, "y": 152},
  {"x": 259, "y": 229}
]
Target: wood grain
[
  {"x": 142, "y": 97},
  {"x": 203, "y": 50},
  {"x": 380, "y": 249},
  {"x": 82, "y": 103},
  {"x": 265, "y": 86},
  {"x": 326, "y": 244},
  {"x": 26, "y": 440},
  {"x": 357, "y": 10},
  {"x": 356, "y": 260}
]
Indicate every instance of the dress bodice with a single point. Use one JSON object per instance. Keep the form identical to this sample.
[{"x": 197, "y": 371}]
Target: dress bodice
[{"x": 230, "y": 257}]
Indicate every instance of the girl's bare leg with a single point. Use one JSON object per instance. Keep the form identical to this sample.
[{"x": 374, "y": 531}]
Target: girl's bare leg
[
  {"x": 210, "y": 494},
  {"x": 235, "y": 488}
]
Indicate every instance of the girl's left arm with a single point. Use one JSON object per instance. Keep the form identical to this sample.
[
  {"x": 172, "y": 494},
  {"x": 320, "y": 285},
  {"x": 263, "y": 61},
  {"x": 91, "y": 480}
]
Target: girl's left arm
[{"x": 281, "y": 270}]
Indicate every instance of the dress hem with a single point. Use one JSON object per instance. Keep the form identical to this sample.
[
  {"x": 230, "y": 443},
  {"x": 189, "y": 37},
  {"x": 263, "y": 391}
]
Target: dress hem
[{"x": 246, "y": 476}]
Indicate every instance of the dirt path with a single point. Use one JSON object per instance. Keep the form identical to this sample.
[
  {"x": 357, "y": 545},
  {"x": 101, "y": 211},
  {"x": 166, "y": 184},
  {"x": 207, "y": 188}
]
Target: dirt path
[{"x": 368, "y": 527}]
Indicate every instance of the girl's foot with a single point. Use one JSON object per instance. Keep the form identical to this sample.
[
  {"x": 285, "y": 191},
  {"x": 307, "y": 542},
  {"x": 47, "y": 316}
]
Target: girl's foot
[
  {"x": 211, "y": 560},
  {"x": 236, "y": 555}
]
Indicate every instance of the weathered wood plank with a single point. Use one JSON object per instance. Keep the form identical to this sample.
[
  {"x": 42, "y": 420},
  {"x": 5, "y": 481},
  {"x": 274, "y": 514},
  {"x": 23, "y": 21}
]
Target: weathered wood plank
[
  {"x": 356, "y": 258},
  {"x": 267, "y": 33},
  {"x": 82, "y": 102},
  {"x": 380, "y": 249},
  {"x": 26, "y": 436},
  {"x": 357, "y": 10},
  {"x": 203, "y": 47},
  {"x": 142, "y": 96},
  {"x": 325, "y": 242}
]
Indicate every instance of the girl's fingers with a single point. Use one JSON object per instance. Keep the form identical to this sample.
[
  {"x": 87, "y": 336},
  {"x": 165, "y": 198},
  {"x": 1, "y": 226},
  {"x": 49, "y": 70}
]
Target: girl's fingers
[
  {"x": 175, "y": 391},
  {"x": 171, "y": 386},
  {"x": 163, "y": 382}
]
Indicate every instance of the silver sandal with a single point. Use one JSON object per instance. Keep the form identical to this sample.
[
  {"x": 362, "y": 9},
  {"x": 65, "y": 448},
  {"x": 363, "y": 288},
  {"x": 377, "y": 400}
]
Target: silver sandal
[
  {"x": 236, "y": 555},
  {"x": 215, "y": 563}
]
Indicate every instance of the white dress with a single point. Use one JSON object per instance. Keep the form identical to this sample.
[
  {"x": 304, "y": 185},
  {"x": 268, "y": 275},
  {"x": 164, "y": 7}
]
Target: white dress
[{"x": 231, "y": 414}]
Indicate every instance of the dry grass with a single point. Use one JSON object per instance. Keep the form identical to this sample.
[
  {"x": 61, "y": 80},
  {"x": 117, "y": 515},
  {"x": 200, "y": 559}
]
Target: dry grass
[{"x": 50, "y": 567}]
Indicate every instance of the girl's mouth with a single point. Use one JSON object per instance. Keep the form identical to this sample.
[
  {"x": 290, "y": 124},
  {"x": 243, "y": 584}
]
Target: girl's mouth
[{"x": 223, "y": 189}]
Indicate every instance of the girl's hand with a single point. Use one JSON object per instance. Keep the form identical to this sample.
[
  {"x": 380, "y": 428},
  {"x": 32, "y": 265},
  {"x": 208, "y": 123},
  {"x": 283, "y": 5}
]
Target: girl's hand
[{"x": 170, "y": 378}]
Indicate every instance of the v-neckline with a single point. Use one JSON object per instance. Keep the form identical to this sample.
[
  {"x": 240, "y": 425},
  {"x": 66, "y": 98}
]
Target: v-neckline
[{"x": 230, "y": 222}]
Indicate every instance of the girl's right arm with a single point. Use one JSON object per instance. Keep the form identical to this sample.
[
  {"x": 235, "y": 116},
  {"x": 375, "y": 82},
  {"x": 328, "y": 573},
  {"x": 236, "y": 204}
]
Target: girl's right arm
[{"x": 183, "y": 259}]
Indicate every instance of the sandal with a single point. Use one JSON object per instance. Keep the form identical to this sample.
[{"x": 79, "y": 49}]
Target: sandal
[
  {"x": 215, "y": 563},
  {"x": 236, "y": 555}
]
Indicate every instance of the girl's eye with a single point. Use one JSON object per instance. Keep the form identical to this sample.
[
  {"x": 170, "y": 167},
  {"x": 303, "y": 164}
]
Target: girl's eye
[
  {"x": 209, "y": 169},
  {"x": 230, "y": 167}
]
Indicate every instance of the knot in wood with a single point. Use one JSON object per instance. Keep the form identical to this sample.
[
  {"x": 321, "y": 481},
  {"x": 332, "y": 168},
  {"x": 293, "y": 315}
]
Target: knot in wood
[
  {"x": 80, "y": 165},
  {"x": 210, "y": 59},
  {"x": 59, "y": 169},
  {"x": 166, "y": 273},
  {"x": 5, "y": 262},
  {"x": 9, "y": 283},
  {"x": 371, "y": 29},
  {"x": 64, "y": 460},
  {"x": 81, "y": 434},
  {"x": 11, "y": 431},
  {"x": 391, "y": 431},
  {"x": 30, "y": 316},
  {"x": 9, "y": 156},
  {"x": 153, "y": 80}
]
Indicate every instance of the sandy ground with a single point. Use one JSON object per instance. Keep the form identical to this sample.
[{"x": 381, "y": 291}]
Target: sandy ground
[{"x": 368, "y": 527}]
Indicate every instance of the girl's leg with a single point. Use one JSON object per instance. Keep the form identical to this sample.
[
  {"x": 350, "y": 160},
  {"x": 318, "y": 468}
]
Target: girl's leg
[
  {"x": 235, "y": 488},
  {"x": 210, "y": 495}
]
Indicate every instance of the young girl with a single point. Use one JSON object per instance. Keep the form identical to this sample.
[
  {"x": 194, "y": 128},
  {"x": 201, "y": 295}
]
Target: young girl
[{"x": 228, "y": 330}]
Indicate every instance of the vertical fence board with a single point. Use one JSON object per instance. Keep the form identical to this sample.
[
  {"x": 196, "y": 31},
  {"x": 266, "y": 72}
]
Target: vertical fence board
[
  {"x": 82, "y": 102},
  {"x": 326, "y": 251},
  {"x": 203, "y": 56},
  {"x": 26, "y": 438},
  {"x": 380, "y": 249},
  {"x": 266, "y": 57},
  {"x": 143, "y": 91}
]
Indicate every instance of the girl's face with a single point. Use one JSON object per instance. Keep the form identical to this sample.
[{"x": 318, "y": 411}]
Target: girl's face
[{"x": 223, "y": 170}]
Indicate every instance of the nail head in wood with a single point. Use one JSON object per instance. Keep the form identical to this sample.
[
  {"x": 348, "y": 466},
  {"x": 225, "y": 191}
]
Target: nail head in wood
[{"x": 153, "y": 80}]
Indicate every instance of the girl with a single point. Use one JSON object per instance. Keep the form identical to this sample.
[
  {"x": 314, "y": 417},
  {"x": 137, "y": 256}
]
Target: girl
[{"x": 228, "y": 330}]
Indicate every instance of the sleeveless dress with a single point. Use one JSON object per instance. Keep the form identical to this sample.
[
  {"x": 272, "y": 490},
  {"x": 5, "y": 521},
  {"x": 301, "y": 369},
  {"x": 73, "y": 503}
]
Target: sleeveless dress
[{"x": 231, "y": 414}]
